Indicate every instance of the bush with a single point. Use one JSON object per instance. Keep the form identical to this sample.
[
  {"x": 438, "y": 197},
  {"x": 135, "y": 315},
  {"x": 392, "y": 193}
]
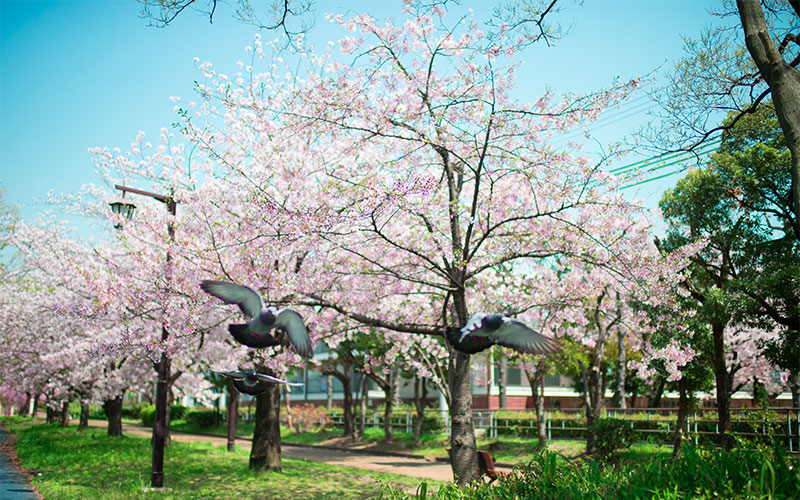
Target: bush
[
  {"x": 135, "y": 411},
  {"x": 147, "y": 414},
  {"x": 204, "y": 419},
  {"x": 305, "y": 416},
  {"x": 612, "y": 434}
]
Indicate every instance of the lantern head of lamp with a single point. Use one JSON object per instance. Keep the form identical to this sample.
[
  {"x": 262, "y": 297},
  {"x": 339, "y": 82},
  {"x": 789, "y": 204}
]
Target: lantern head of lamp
[{"x": 124, "y": 209}]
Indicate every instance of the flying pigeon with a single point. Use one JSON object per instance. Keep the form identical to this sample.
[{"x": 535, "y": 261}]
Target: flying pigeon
[
  {"x": 484, "y": 330},
  {"x": 257, "y": 333},
  {"x": 252, "y": 382}
]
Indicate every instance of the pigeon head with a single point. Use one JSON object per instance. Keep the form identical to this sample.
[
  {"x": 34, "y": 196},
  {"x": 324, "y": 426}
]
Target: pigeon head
[{"x": 267, "y": 316}]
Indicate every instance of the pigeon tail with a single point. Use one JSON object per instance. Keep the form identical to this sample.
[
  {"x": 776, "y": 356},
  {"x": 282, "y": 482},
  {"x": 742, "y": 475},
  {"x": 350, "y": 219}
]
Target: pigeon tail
[
  {"x": 244, "y": 335},
  {"x": 452, "y": 334}
]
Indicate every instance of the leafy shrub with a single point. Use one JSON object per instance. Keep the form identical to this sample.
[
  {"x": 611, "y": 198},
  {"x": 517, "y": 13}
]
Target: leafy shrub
[
  {"x": 203, "y": 418},
  {"x": 612, "y": 434},
  {"x": 135, "y": 411},
  {"x": 147, "y": 414}
]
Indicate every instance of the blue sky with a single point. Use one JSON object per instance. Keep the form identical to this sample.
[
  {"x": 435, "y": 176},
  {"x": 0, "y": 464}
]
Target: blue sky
[{"x": 83, "y": 73}]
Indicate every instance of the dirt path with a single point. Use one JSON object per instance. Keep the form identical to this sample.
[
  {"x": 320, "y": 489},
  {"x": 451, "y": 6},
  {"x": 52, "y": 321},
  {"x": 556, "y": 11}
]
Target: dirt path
[{"x": 415, "y": 467}]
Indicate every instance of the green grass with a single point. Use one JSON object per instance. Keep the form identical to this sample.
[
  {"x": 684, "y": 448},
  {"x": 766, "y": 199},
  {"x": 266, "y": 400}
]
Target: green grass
[{"x": 77, "y": 465}]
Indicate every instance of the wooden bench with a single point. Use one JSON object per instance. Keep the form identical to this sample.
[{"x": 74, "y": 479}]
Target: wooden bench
[{"x": 485, "y": 465}]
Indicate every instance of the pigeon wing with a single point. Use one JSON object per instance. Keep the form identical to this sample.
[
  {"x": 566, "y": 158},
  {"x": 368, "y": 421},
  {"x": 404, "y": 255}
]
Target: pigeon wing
[
  {"x": 248, "y": 300},
  {"x": 269, "y": 378},
  {"x": 518, "y": 336},
  {"x": 292, "y": 323},
  {"x": 235, "y": 375}
]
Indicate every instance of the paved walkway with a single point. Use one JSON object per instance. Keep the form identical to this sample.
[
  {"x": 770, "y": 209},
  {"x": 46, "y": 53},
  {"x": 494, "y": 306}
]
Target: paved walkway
[
  {"x": 416, "y": 467},
  {"x": 14, "y": 485}
]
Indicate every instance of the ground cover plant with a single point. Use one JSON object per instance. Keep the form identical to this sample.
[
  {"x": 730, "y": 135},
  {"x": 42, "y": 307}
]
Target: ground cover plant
[
  {"x": 75, "y": 465},
  {"x": 699, "y": 472}
]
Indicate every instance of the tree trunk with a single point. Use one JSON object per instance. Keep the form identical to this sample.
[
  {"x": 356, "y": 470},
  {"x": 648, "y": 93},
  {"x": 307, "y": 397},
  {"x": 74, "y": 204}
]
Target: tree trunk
[
  {"x": 329, "y": 392},
  {"x": 794, "y": 387},
  {"x": 502, "y": 383},
  {"x": 23, "y": 412},
  {"x": 362, "y": 421},
  {"x": 723, "y": 385},
  {"x": 683, "y": 412},
  {"x": 654, "y": 398},
  {"x": 784, "y": 84},
  {"x": 462, "y": 434},
  {"x": 50, "y": 415},
  {"x": 113, "y": 409},
  {"x": 84, "y": 420},
  {"x": 619, "y": 386},
  {"x": 535, "y": 380},
  {"x": 65, "y": 414},
  {"x": 35, "y": 405},
  {"x": 420, "y": 393},
  {"x": 265, "y": 454},
  {"x": 233, "y": 413},
  {"x": 390, "y": 392}
]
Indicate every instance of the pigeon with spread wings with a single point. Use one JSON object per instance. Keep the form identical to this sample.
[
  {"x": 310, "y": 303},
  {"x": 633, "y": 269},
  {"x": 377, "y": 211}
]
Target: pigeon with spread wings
[
  {"x": 485, "y": 330},
  {"x": 252, "y": 382},
  {"x": 258, "y": 332}
]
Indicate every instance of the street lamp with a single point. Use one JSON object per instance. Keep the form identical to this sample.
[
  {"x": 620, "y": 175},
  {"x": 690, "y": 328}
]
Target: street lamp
[{"x": 163, "y": 367}]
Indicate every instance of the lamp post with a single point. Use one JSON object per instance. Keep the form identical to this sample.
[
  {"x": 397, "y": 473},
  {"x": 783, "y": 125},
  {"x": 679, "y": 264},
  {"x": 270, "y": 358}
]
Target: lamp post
[{"x": 163, "y": 366}]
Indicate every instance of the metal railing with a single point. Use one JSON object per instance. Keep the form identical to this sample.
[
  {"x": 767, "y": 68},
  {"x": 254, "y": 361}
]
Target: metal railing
[{"x": 779, "y": 423}]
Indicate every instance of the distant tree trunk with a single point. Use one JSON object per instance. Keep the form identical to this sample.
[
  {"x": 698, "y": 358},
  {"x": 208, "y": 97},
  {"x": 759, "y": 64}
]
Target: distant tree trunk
[
  {"x": 503, "y": 381},
  {"x": 84, "y": 420},
  {"x": 265, "y": 454},
  {"x": 233, "y": 413},
  {"x": 619, "y": 386},
  {"x": 329, "y": 392},
  {"x": 23, "y": 411},
  {"x": 420, "y": 393},
  {"x": 35, "y": 405},
  {"x": 346, "y": 377},
  {"x": 362, "y": 421},
  {"x": 113, "y": 409},
  {"x": 654, "y": 398},
  {"x": 388, "y": 431},
  {"x": 723, "y": 385},
  {"x": 65, "y": 414},
  {"x": 396, "y": 387},
  {"x": 289, "y": 419},
  {"x": 683, "y": 413},
  {"x": 535, "y": 380},
  {"x": 50, "y": 415}
]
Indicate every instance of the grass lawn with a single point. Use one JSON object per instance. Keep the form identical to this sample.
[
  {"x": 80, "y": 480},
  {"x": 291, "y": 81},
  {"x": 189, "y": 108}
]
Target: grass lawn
[{"x": 91, "y": 464}]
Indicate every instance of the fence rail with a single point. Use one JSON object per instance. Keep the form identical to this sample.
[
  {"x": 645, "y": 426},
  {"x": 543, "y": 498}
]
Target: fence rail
[{"x": 780, "y": 423}]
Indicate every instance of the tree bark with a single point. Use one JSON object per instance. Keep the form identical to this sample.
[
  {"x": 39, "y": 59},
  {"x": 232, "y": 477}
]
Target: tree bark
[
  {"x": 362, "y": 421},
  {"x": 535, "y": 380},
  {"x": 83, "y": 422},
  {"x": 619, "y": 385},
  {"x": 35, "y": 405},
  {"x": 391, "y": 393},
  {"x": 265, "y": 453},
  {"x": 329, "y": 392},
  {"x": 113, "y": 409},
  {"x": 683, "y": 412},
  {"x": 784, "y": 84},
  {"x": 233, "y": 413},
  {"x": 23, "y": 412},
  {"x": 723, "y": 385},
  {"x": 65, "y": 414},
  {"x": 794, "y": 387},
  {"x": 503, "y": 381},
  {"x": 654, "y": 398},
  {"x": 345, "y": 377},
  {"x": 420, "y": 393},
  {"x": 462, "y": 434}
]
